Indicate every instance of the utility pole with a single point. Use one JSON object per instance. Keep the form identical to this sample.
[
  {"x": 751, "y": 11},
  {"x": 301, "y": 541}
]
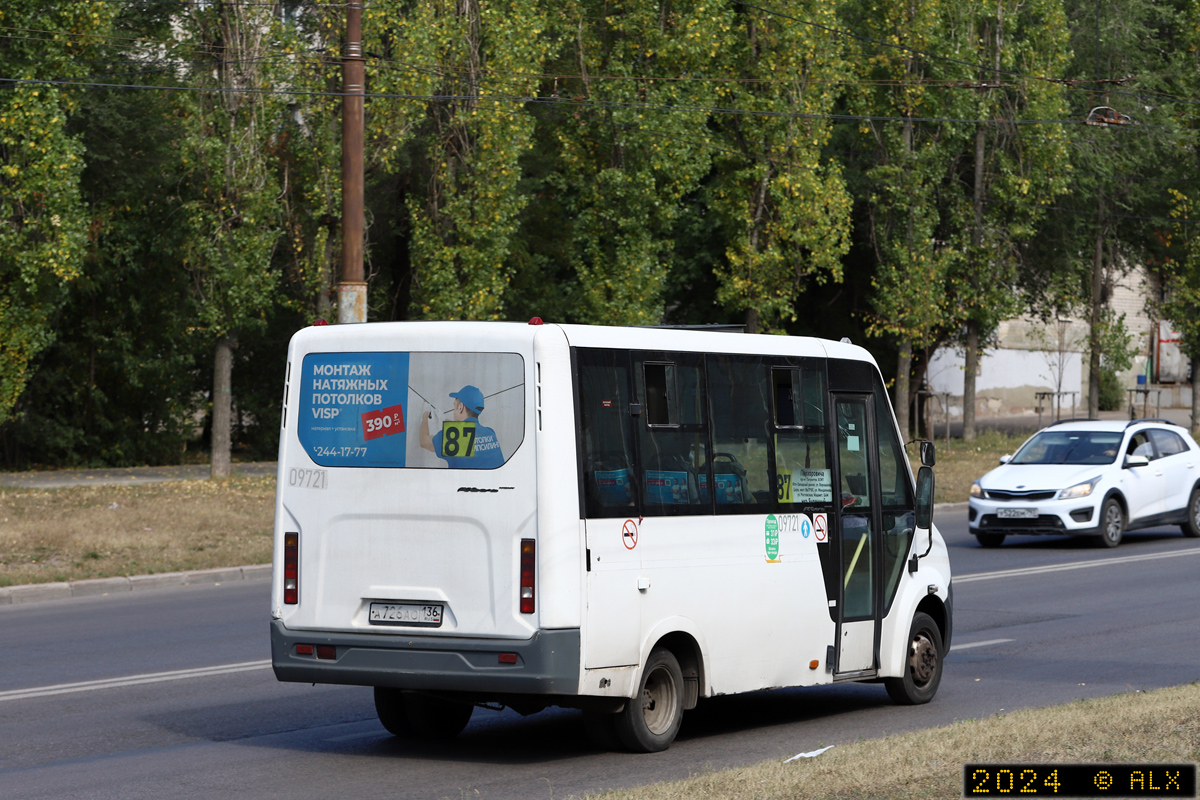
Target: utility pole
[{"x": 352, "y": 289}]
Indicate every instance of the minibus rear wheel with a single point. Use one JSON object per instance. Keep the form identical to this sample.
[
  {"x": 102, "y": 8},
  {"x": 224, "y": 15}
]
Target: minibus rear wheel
[
  {"x": 651, "y": 719},
  {"x": 389, "y": 705},
  {"x": 435, "y": 717}
]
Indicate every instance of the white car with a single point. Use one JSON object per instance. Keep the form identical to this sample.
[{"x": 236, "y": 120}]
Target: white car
[{"x": 1091, "y": 478}]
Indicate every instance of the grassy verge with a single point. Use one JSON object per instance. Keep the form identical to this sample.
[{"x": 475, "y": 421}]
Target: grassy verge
[
  {"x": 960, "y": 464},
  {"x": 105, "y": 531},
  {"x": 1154, "y": 727}
]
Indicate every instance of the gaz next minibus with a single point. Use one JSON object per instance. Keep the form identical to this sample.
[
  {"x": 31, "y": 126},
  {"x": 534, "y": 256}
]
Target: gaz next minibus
[{"x": 619, "y": 520}]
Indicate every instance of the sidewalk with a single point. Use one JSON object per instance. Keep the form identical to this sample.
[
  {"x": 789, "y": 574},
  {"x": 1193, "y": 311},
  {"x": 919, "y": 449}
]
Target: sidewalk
[
  {"x": 102, "y": 587},
  {"x": 130, "y": 476}
]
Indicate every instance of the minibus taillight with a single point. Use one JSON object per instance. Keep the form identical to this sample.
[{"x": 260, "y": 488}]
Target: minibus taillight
[
  {"x": 291, "y": 571},
  {"x": 527, "y": 576}
]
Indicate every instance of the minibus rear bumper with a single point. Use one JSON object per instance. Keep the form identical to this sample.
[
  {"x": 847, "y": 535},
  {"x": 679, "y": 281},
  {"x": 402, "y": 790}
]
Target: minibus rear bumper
[{"x": 546, "y": 663}]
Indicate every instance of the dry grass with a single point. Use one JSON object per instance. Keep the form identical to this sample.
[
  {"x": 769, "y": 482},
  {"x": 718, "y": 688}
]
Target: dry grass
[
  {"x": 1155, "y": 727},
  {"x": 962, "y": 463},
  {"x": 105, "y": 531}
]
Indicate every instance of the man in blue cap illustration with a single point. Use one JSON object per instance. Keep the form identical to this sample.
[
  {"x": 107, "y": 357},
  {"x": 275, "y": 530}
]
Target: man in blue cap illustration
[{"x": 464, "y": 443}]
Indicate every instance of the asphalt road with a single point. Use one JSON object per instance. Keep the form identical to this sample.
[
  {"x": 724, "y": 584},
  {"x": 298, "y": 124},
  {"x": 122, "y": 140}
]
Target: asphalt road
[{"x": 168, "y": 693}]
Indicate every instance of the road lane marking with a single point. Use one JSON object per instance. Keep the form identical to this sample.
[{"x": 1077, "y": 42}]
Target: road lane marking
[
  {"x": 132, "y": 680},
  {"x": 1099, "y": 562},
  {"x": 969, "y": 645}
]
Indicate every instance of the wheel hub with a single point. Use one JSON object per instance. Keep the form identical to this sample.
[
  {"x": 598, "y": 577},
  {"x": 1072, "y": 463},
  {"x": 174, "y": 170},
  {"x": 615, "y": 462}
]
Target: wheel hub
[
  {"x": 658, "y": 701},
  {"x": 923, "y": 660}
]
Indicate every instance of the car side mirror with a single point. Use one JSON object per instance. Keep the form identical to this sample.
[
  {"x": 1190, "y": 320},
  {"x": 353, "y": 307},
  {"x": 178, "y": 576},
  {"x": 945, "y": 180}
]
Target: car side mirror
[
  {"x": 1135, "y": 461},
  {"x": 1005, "y": 459}
]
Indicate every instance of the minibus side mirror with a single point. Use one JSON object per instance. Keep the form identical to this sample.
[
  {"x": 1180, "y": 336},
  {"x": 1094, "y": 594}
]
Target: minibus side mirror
[
  {"x": 924, "y": 511},
  {"x": 928, "y": 453},
  {"x": 924, "y": 497}
]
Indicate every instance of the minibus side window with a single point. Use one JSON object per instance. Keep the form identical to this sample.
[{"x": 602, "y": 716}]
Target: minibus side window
[
  {"x": 608, "y": 483},
  {"x": 896, "y": 489},
  {"x": 802, "y": 472},
  {"x": 672, "y": 434},
  {"x": 741, "y": 429},
  {"x": 662, "y": 395}
]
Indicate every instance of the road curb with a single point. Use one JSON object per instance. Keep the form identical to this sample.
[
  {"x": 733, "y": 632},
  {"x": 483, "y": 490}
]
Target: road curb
[{"x": 98, "y": 587}]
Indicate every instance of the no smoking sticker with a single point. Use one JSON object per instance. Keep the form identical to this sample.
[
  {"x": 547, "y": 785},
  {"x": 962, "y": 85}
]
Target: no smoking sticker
[
  {"x": 629, "y": 534},
  {"x": 821, "y": 527}
]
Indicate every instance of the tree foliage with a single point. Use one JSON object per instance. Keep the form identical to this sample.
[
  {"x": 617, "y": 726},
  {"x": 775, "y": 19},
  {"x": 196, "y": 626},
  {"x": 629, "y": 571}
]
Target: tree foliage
[
  {"x": 785, "y": 205},
  {"x": 43, "y": 222},
  {"x": 915, "y": 170}
]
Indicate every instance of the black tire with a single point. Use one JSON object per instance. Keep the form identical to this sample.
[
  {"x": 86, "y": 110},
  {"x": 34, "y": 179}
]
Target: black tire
[
  {"x": 435, "y": 717},
  {"x": 990, "y": 539},
  {"x": 1112, "y": 523},
  {"x": 923, "y": 667},
  {"x": 1192, "y": 526},
  {"x": 389, "y": 705},
  {"x": 651, "y": 719},
  {"x": 601, "y": 729}
]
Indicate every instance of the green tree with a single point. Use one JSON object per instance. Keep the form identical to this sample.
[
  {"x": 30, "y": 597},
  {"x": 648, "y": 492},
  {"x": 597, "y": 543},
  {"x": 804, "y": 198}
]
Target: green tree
[
  {"x": 231, "y": 219},
  {"x": 1182, "y": 277},
  {"x": 630, "y": 136},
  {"x": 785, "y": 204},
  {"x": 911, "y": 209},
  {"x": 473, "y": 61},
  {"x": 43, "y": 222},
  {"x": 1016, "y": 168},
  {"x": 1124, "y": 66}
]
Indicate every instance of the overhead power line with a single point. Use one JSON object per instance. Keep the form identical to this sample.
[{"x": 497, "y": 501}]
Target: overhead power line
[{"x": 552, "y": 100}]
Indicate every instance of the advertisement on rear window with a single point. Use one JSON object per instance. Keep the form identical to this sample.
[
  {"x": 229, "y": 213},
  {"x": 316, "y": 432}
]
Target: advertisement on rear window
[{"x": 421, "y": 410}]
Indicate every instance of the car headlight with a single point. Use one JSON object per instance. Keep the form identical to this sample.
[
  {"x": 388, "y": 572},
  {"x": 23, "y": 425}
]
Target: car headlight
[
  {"x": 976, "y": 489},
  {"x": 1079, "y": 489}
]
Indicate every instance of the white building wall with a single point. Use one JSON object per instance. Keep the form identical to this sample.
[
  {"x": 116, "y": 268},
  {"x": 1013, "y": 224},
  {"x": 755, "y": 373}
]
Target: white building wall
[{"x": 1033, "y": 356}]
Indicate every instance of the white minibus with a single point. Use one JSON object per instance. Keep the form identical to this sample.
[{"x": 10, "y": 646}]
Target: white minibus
[{"x": 619, "y": 520}]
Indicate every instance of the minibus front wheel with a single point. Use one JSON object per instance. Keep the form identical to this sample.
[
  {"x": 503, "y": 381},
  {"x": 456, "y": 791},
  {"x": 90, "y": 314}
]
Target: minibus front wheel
[{"x": 922, "y": 667}]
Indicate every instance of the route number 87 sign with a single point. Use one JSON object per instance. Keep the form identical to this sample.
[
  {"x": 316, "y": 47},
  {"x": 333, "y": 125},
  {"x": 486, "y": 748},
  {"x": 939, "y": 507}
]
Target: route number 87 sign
[{"x": 458, "y": 439}]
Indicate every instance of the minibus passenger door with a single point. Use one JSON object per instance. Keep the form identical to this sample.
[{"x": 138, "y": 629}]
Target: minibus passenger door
[{"x": 857, "y": 509}]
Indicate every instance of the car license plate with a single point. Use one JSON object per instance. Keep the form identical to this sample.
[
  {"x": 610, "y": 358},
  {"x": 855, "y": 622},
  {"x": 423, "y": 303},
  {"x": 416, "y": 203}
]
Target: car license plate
[
  {"x": 428, "y": 615},
  {"x": 1017, "y": 513}
]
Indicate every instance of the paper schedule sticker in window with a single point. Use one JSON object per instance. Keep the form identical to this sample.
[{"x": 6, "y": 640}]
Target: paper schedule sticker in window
[
  {"x": 804, "y": 485},
  {"x": 812, "y": 486}
]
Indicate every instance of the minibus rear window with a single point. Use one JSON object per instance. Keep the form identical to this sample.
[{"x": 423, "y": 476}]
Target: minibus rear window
[{"x": 416, "y": 410}]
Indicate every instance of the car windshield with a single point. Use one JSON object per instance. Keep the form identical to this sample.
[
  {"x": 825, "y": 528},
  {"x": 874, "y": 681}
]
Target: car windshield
[{"x": 1070, "y": 447}]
